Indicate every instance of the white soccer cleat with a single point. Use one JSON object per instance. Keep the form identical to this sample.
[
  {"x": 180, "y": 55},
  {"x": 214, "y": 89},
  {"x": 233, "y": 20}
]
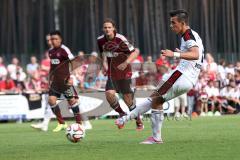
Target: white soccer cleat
[
  {"x": 119, "y": 123},
  {"x": 40, "y": 126},
  {"x": 151, "y": 140},
  {"x": 87, "y": 125},
  {"x": 37, "y": 126}
]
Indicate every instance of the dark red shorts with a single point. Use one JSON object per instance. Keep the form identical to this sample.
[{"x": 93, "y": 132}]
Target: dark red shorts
[{"x": 123, "y": 86}]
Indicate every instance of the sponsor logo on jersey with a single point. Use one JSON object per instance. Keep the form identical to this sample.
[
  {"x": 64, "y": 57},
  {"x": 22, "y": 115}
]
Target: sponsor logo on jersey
[{"x": 55, "y": 61}]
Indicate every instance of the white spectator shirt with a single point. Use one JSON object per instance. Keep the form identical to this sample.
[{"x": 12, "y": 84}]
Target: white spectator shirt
[
  {"x": 212, "y": 91},
  {"x": 191, "y": 68}
]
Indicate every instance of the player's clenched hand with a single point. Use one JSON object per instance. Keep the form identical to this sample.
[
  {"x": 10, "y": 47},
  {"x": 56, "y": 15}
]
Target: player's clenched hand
[
  {"x": 167, "y": 53},
  {"x": 122, "y": 66}
]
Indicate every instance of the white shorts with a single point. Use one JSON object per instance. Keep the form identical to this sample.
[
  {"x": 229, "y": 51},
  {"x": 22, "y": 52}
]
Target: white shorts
[{"x": 173, "y": 85}]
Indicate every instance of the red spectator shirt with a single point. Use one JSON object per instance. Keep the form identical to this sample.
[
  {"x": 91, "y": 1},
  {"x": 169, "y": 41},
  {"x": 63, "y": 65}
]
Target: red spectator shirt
[
  {"x": 117, "y": 51},
  {"x": 7, "y": 84}
]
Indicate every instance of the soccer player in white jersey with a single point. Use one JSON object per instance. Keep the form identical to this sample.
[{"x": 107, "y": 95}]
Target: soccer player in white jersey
[{"x": 178, "y": 81}]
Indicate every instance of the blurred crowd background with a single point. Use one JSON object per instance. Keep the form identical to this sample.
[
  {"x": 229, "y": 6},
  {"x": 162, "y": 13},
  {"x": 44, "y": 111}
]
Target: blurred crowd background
[{"x": 217, "y": 91}]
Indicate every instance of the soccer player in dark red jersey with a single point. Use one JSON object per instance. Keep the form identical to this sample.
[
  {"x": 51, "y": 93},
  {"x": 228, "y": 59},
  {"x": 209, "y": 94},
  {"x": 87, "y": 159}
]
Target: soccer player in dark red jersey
[
  {"x": 117, "y": 54},
  {"x": 61, "y": 58}
]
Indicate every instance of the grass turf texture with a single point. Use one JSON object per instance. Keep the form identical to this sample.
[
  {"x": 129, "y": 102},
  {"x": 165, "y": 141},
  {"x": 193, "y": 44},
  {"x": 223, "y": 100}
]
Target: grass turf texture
[{"x": 203, "y": 138}]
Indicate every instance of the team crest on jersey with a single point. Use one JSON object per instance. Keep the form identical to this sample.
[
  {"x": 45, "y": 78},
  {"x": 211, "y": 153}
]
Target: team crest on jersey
[{"x": 55, "y": 61}]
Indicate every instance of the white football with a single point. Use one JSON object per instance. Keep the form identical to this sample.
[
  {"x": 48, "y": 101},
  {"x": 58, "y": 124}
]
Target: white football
[{"x": 75, "y": 132}]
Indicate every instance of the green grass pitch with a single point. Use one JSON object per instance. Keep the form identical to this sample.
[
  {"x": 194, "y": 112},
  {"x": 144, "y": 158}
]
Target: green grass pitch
[{"x": 208, "y": 138}]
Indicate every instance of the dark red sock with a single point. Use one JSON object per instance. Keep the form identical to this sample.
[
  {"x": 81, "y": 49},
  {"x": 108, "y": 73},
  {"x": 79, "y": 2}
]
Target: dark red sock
[
  {"x": 118, "y": 109},
  {"x": 56, "y": 110},
  {"x": 77, "y": 114}
]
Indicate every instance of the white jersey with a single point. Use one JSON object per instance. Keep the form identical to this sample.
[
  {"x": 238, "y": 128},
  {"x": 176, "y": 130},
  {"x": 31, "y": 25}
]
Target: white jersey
[{"x": 191, "y": 68}]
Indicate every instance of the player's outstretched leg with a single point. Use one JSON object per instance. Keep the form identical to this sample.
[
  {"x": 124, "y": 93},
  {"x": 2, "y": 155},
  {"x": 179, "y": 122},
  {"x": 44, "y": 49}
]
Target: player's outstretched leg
[
  {"x": 139, "y": 110},
  {"x": 130, "y": 102}
]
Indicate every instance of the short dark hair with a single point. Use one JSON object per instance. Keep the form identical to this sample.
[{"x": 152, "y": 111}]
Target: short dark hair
[
  {"x": 56, "y": 33},
  {"x": 181, "y": 14}
]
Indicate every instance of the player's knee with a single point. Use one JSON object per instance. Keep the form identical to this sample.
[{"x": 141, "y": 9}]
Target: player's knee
[
  {"x": 52, "y": 101},
  {"x": 157, "y": 99},
  {"x": 110, "y": 96},
  {"x": 72, "y": 102}
]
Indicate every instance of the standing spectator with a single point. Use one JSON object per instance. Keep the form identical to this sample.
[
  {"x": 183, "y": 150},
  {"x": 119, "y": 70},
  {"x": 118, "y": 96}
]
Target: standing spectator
[
  {"x": 3, "y": 69},
  {"x": 93, "y": 67},
  {"x": 180, "y": 103},
  {"x": 210, "y": 66},
  {"x": 33, "y": 66}
]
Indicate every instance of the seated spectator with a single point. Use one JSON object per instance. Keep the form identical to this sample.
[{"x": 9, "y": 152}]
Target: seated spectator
[
  {"x": 3, "y": 69},
  {"x": 89, "y": 84},
  {"x": 33, "y": 66},
  {"x": 19, "y": 83},
  {"x": 93, "y": 66},
  {"x": 221, "y": 69},
  {"x": 203, "y": 100},
  {"x": 162, "y": 61},
  {"x": 237, "y": 66},
  {"x": 139, "y": 58},
  {"x": 226, "y": 98},
  {"x": 14, "y": 66},
  {"x": 7, "y": 85},
  {"x": 149, "y": 65},
  {"x": 230, "y": 69},
  {"x": 141, "y": 81},
  {"x": 237, "y": 77},
  {"x": 212, "y": 90}
]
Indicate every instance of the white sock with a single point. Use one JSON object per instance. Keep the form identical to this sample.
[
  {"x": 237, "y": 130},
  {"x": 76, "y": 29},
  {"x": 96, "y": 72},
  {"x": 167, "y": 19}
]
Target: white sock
[
  {"x": 139, "y": 110},
  {"x": 47, "y": 115},
  {"x": 157, "y": 118}
]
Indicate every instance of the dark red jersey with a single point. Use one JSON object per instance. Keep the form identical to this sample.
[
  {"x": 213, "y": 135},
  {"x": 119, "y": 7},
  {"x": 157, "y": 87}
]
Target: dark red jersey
[
  {"x": 60, "y": 60},
  {"x": 117, "y": 51}
]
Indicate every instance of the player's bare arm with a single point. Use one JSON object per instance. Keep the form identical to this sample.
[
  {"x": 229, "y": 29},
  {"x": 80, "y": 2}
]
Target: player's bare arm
[
  {"x": 132, "y": 56},
  {"x": 191, "y": 54}
]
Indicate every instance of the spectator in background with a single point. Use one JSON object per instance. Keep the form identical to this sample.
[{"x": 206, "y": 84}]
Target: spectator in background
[
  {"x": 180, "y": 103},
  {"x": 237, "y": 78},
  {"x": 149, "y": 65},
  {"x": 93, "y": 67},
  {"x": 14, "y": 66},
  {"x": 230, "y": 69},
  {"x": 162, "y": 61},
  {"x": 221, "y": 69},
  {"x": 210, "y": 67},
  {"x": 227, "y": 98},
  {"x": 141, "y": 81},
  {"x": 237, "y": 67},
  {"x": 33, "y": 66},
  {"x": 89, "y": 85},
  {"x": 139, "y": 58},
  {"x": 212, "y": 90},
  {"x": 7, "y": 85},
  {"x": 3, "y": 69}
]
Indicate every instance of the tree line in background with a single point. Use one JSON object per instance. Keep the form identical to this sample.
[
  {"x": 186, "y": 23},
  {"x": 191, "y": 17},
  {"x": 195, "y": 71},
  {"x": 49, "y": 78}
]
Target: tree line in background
[{"x": 25, "y": 23}]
